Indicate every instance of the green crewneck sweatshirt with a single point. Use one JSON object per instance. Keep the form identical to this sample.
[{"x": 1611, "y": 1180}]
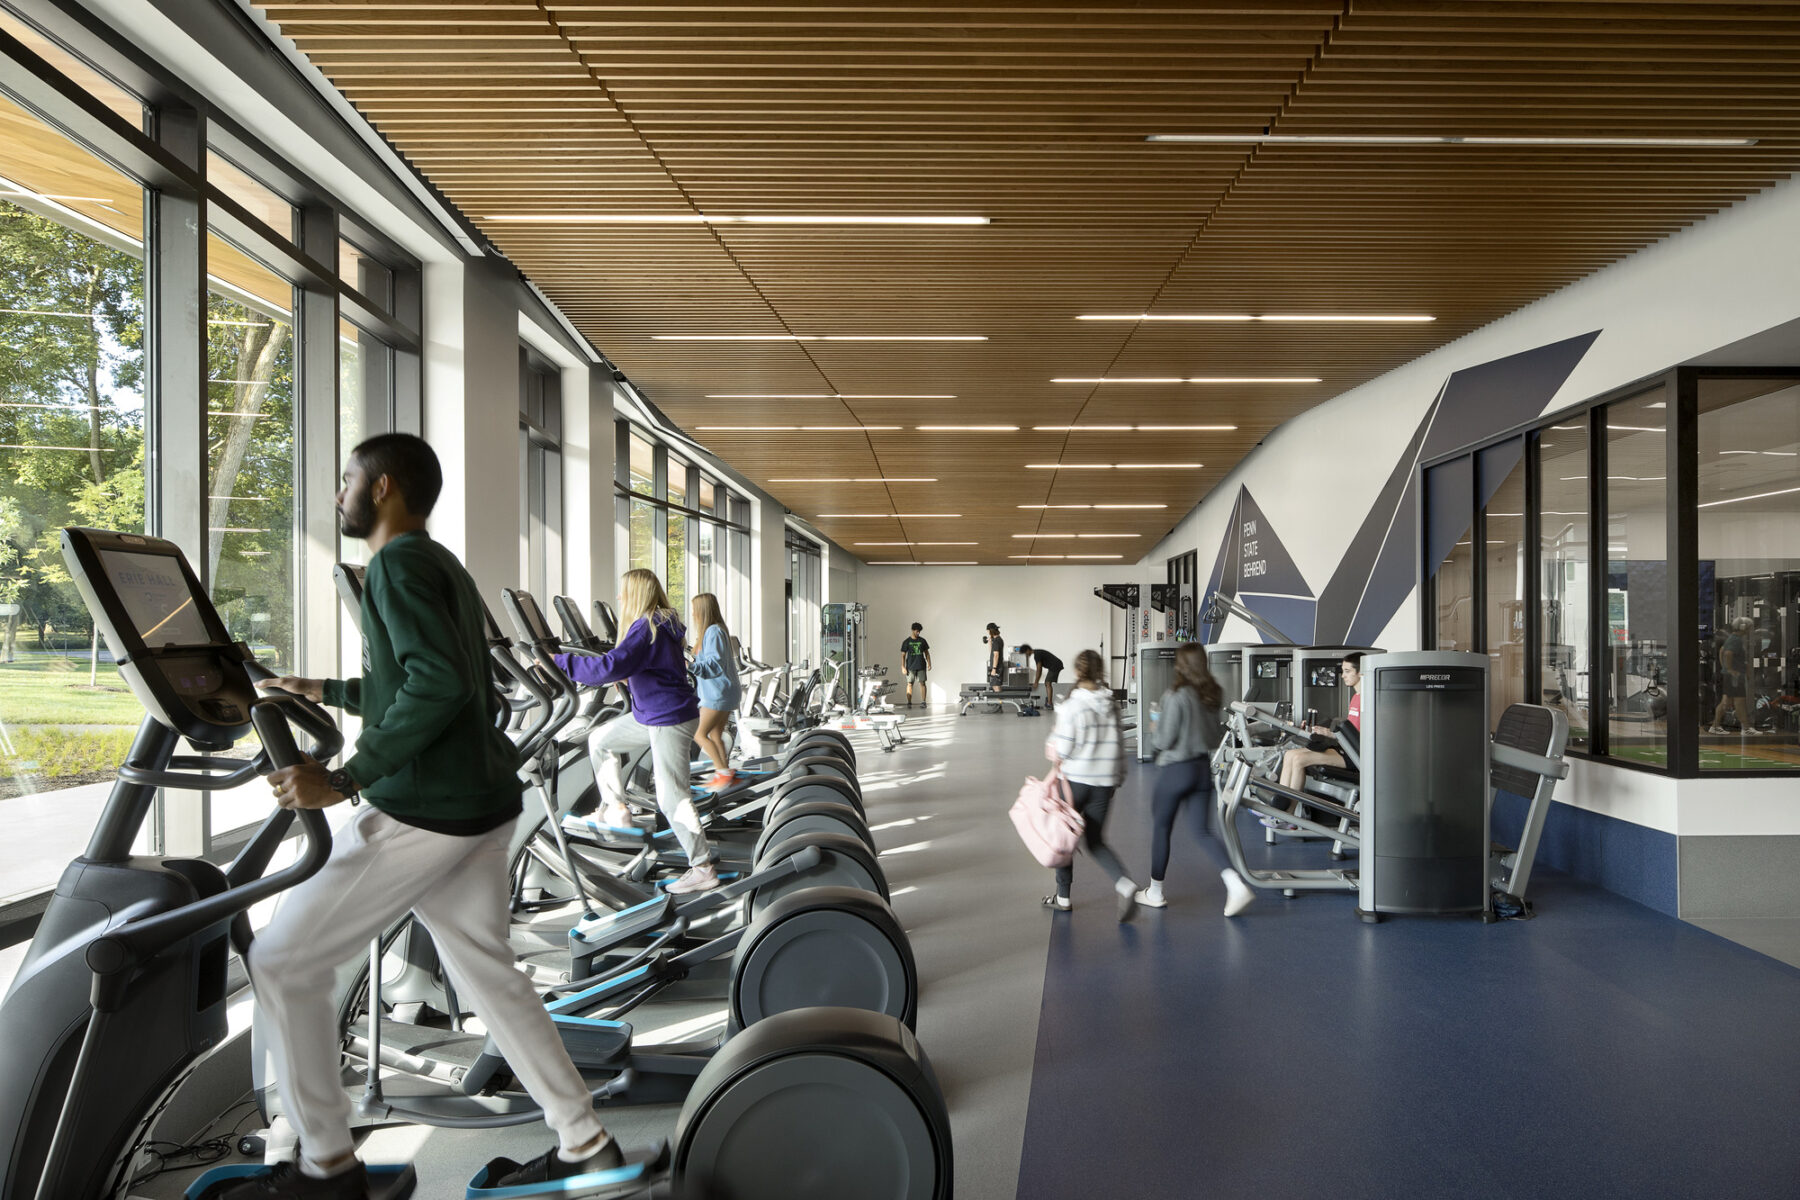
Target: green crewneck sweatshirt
[{"x": 430, "y": 753}]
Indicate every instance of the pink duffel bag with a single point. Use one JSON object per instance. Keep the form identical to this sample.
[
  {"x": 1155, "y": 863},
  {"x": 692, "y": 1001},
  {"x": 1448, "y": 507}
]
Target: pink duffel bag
[{"x": 1046, "y": 819}]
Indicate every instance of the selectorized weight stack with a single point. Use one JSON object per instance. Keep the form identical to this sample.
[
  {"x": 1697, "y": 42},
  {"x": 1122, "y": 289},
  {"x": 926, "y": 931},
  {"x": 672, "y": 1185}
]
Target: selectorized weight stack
[{"x": 1426, "y": 791}]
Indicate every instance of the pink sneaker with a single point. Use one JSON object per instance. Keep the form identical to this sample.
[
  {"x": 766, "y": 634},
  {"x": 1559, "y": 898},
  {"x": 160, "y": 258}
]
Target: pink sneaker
[
  {"x": 721, "y": 780},
  {"x": 703, "y": 878}
]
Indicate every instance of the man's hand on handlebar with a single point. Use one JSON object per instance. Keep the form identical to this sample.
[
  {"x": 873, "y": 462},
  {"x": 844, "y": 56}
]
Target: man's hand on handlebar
[
  {"x": 304, "y": 785},
  {"x": 310, "y": 689}
]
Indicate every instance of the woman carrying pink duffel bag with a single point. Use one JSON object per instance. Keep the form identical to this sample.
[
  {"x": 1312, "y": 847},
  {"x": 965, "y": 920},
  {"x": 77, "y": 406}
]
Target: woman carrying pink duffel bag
[{"x": 1087, "y": 750}]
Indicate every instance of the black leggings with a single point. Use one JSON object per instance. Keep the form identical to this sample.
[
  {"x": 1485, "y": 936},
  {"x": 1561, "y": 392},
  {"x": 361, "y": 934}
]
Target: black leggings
[
  {"x": 1092, "y": 803},
  {"x": 1177, "y": 783}
]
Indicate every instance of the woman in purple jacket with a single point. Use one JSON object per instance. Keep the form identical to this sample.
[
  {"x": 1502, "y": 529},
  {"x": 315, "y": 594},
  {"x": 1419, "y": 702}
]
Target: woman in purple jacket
[{"x": 650, "y": 659}]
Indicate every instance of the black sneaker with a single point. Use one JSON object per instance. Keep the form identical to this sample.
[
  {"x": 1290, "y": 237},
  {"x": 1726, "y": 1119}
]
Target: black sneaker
[
  {"x": 286, "y": 1181},
  {"x": 503, "y": 1172}
]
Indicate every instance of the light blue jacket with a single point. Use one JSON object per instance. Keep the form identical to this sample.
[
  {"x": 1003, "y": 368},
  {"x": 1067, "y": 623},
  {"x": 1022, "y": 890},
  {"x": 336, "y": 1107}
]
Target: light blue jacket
[{"x": 715, "y": 672}]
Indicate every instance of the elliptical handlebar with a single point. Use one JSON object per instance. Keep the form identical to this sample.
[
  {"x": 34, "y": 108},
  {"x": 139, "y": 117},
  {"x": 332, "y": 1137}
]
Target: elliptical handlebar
[{"x": 113, "y": 955}]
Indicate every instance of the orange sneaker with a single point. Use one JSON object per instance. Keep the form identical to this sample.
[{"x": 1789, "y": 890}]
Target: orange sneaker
[{"x": 722, "y": 780}]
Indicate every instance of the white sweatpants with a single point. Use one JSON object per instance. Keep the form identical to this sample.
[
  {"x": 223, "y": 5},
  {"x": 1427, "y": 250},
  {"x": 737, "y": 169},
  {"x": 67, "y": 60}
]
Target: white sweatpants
[
  {"x": 456, "y": 886},
  {"x": 671, "y": 747}
]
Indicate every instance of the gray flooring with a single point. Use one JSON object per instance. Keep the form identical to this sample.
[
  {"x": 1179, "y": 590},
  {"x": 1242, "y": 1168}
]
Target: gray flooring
[
  {"x": 1777, "y": 937},
  {"x": 967, "y": 893}
]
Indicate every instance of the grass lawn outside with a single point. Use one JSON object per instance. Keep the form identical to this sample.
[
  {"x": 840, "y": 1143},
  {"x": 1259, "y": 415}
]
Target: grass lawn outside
[
  {"x": 1712, "y": 758},
  {"x": 56, "y": 692}
]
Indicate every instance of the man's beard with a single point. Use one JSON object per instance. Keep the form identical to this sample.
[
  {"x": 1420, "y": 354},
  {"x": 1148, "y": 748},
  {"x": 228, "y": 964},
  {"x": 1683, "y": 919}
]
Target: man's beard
[{"x": 356, "y": 519}]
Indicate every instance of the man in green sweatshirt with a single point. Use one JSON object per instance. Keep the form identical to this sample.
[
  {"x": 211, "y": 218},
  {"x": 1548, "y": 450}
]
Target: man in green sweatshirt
[{"x": 442, "y": 789}]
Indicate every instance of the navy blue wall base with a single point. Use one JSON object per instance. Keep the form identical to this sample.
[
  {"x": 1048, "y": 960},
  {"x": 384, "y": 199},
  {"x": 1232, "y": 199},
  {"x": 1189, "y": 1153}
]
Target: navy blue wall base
[{"x": 1635, "y": 861}]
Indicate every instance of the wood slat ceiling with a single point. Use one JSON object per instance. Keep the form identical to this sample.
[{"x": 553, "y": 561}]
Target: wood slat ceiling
[{"x": 1035, "y": 115}]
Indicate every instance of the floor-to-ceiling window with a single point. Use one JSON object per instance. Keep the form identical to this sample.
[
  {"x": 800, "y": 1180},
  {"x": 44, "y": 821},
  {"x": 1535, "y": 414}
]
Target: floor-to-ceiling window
[
  {"x": 540, "y": 478},
  {"x": 1564, "y": 569},
  {"x": 1748, "y": 685},
  {"x": 1635, "y": 653}
]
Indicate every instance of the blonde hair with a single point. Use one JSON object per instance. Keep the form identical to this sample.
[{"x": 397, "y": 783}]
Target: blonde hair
[
  {"x": 641, "y": 595},
  {"x": 707, "y": 614}
]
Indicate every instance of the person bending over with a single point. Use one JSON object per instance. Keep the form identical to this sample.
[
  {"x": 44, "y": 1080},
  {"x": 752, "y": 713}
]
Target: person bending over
[
  {"x": 1189, "y": 725},
  {"x": 1047, "y": 667},
  {"x": 1089, "y": 746},
  {"x": 442, "y": 787},
  {"x": 915, "y": 656},
  {"x": 1295, "y": 762},
  {"x": 716, "y": 680},
  {"x": 665, "y": 713}
]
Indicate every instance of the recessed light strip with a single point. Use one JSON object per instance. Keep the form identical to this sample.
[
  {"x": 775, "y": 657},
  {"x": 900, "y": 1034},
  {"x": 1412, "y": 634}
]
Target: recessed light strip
[
  {"x": 821, "y": 396},
  {"x": 1134, "y": 428},
  {"x": 1113, "y": 466},
  {"x": 915, "y": 543},
  {"x": 1426, "y": 139},
  {"x": 967, "y": 428},
  {"x": 1077, "y": 535},
  {"x": 862, "y": 479},
  {"x": 693, "y": 218},
  {"x": 1193, "y": 379},
  {"x": 818, "y": 337},
  {"x": 1322, "y": 317},
  {"x": 794, "y": 428},
  {"x": 883, "y": 516},
  {"x": 1093, "y": 506}
]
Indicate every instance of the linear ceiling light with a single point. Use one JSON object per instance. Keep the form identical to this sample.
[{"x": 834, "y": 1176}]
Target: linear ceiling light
[
  {"x": 862, "y": 479},
  {"x": 1093, "y": 506},
  {"x": 1195, "y": 379},
  {"x": 967, "y": 428},
  {"x": 1065, "y": 556},
  {"x": 1741, "y": 499},
  {"x": 1077, "y": 535},
  {"x": 895, "y": 562},
  {"x": 791, "y": 428},
  {"x": 965, "y": 562},
  {"x": 1426, "y": 139},
  {"x": 1344, "y": 317},
  {"x": 1113, "y": 466},
  {"x": 915, "y": 543},
  {"x": 818, "y": 337},
  {"x": 735, "y": 219},
  {"x": 846, "y": 516},
  {"x": 1134, "y": 428},
  {"x": 820, "y": 396}
]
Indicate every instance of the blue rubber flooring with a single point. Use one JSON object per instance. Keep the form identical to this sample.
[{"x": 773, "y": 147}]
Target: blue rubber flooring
[{"x": 1600, "y": 1050}]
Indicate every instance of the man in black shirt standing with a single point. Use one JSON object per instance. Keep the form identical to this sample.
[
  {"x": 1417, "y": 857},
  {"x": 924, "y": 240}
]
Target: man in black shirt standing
[
  {"x": 1048, "y": 667},
  {"x": 996, "y": 657},
  {"x": 915, "y": 657}
]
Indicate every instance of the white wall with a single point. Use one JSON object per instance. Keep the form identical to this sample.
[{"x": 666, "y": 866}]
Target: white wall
[
  {"x": 1052, "y": 607},
  {"x": 1727, "y": 278}
]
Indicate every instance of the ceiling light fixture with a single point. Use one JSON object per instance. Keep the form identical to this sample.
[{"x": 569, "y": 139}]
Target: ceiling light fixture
[
  {"x": 1757, "y": 496},
  {"x": 1077, "y": 535},
  {"x": 819, "y": 396},
  {"x": 915, "y": 543},
  {"x": 847, "y": 516},
  {"x": 1134, "y": 428},
  {"x": 1329, "y": 317},
  {"x": 1093, "y": 506},
  {"x": 967, "y": 428},
  {"x": 818, "y": 337},
  {"x": 862, "y": 479},
  {"x": 1113, "y": 466},
  {"x": 1426, "y": 139},
  {"x": 692, "y": 218},
  {"x": 964, "y": 562},
  {"x": 1193, "y": 379},
  {"x": 792, "y": 428}
]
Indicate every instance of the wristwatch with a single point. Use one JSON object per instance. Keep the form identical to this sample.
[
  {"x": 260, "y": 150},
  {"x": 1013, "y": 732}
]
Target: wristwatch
[{"x": 341, "y": 783}]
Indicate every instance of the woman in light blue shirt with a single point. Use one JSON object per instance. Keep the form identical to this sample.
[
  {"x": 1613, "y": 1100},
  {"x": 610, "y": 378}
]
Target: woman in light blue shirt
[{"x": 716, "y": 679}]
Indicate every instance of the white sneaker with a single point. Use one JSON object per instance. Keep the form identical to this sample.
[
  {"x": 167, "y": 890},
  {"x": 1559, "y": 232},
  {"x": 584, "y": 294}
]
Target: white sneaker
[
  {"x": 1238, "y": 894},
  {"x": 1717, "y": 731},
  {"x": 1059, "y": 903},
  {"x": 703, "y": 878},
  {"x": 1152, "y": 897},
  {"x": 615, "y": 816}
]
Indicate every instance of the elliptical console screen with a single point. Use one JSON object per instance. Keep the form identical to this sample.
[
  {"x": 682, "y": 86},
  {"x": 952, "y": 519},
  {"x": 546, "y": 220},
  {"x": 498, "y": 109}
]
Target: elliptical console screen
[
  {"x": 156, "y": 598},
  {"x": 1326, "y": 676}
]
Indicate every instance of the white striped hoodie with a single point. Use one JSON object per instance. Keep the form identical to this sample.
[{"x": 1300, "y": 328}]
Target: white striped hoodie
[{"x": 1087, "y": 738}]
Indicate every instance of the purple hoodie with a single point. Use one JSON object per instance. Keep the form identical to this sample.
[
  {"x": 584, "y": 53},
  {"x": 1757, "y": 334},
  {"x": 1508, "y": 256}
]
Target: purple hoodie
[{"x": 655, "y": 671}]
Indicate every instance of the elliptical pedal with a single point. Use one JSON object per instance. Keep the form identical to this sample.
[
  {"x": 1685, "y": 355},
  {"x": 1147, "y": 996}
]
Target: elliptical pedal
[
  {"x": 387, "y": 1181},
  {"x": 643, "y": 1166}
]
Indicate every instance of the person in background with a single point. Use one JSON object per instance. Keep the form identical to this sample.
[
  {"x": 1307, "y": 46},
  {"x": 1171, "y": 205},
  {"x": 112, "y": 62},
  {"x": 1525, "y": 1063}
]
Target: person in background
[
  {"x": 442, "y": 787},
  {"x": 665, "y": 712},
  {"x": 1295, "y": 762},
  {"x": 1089, "y": 746},
  {"x": 915, "y": 657},
  {"x": 996, "y": 657},
  {"x": 1045, "y": 666},
  {"x": 1189, "y": 725},
  {"x": 1734, "y": 680},
  {"x": 716, "y": 680}
]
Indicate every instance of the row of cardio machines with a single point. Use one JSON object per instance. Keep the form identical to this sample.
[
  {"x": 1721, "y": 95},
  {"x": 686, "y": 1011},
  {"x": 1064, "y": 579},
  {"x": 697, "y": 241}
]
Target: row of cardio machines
[
  {"x": 800, "y": 1077},
  {"x": 1408, "y": 823}
]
